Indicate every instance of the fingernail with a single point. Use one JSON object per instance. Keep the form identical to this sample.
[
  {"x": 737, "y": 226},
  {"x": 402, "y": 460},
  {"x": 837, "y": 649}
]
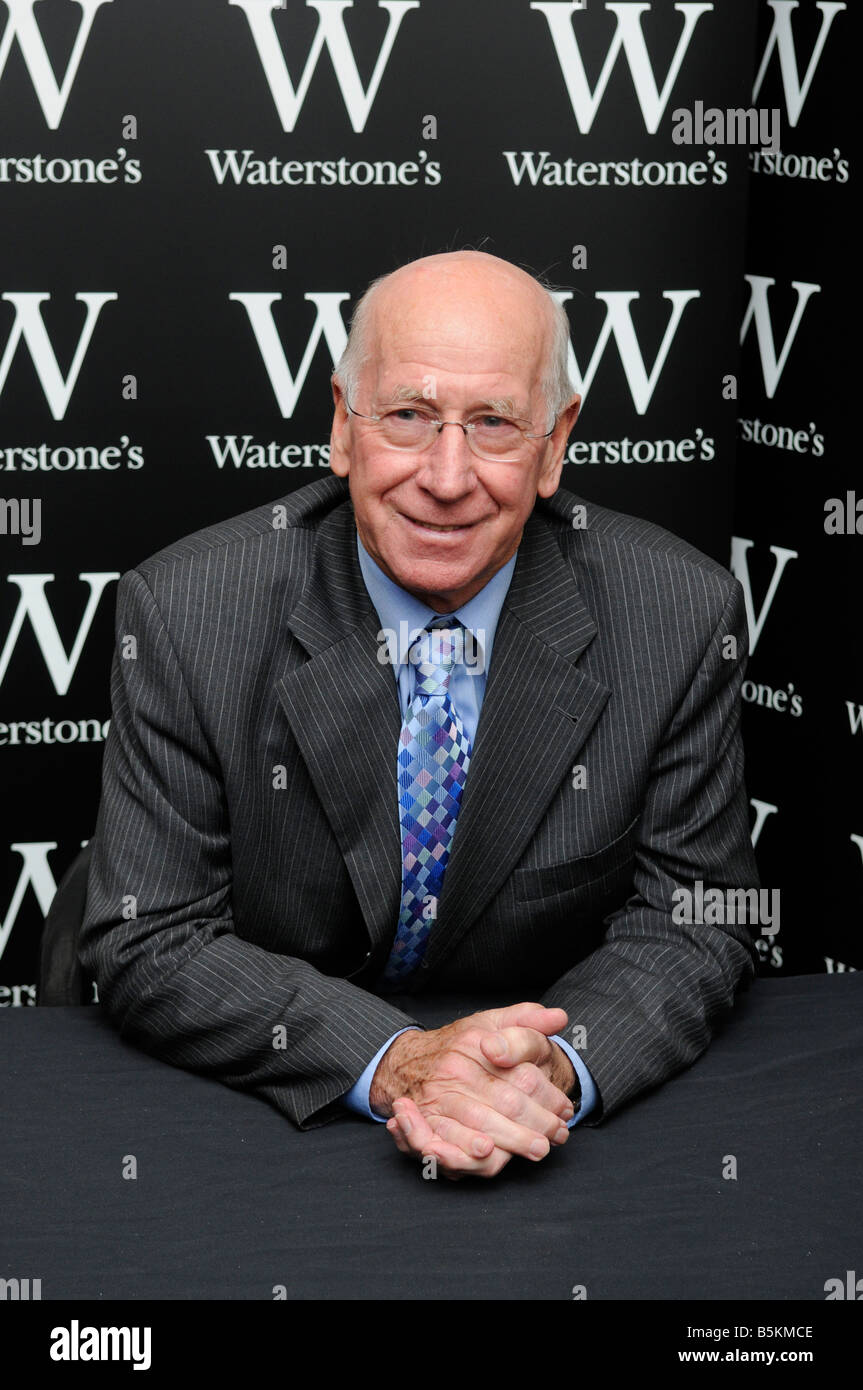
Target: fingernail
[
  {"x": 499, "y": 1050},
  {"x": 562, "y": 1135},
  {"x": 538, "y": 1148},
  {"x": 405, "y": 1124}
]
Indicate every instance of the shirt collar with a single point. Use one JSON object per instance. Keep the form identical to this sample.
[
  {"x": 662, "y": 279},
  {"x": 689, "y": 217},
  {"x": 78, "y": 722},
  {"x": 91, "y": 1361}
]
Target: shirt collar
[{"x": 403, "y": 616}]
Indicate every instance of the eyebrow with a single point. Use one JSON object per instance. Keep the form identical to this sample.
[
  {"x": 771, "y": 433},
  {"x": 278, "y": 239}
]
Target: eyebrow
[{"x": 501, "y": 405}]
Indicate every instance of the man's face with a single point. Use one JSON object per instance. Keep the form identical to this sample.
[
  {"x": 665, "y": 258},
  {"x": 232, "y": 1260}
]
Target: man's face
[{"x": 461, "y": 339}]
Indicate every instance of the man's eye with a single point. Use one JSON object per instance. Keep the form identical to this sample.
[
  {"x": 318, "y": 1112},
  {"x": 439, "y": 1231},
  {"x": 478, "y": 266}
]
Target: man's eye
[{"x": 496, "y": 422}]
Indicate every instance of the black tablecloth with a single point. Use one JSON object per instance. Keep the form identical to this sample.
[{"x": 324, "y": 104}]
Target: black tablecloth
[{"x": 230, "y": 1200}]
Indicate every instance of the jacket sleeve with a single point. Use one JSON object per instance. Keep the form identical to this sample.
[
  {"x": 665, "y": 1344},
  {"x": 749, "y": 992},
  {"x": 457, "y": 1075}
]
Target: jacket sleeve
[
  {"x": 649, "y": 997},
  {"x": 158, "y": 933}
]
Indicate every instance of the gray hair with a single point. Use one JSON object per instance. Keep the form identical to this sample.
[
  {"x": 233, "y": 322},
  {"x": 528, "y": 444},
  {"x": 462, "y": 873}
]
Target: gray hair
[{"x": 556, "y": 385}]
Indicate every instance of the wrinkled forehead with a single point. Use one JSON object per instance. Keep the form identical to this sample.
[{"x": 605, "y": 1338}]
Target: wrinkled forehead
[{"x": 485, "y": 326}]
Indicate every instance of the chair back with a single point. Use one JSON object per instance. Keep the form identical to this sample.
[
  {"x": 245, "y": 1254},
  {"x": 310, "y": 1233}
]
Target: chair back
[{"x": 61, "y": 979}]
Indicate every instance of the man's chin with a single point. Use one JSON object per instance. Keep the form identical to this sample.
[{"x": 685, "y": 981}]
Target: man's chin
[{"x": 442, "y": 586}]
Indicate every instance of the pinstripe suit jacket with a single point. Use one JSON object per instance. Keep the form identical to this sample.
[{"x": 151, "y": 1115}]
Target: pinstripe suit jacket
[{"x": 246, "y": 874}]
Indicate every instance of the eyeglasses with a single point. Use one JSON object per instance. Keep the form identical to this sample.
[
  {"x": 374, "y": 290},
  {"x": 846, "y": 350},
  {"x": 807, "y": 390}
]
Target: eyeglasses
[{"x": 414, "y": 429}]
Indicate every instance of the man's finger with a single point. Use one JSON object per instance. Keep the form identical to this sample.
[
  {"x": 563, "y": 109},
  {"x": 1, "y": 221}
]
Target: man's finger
[
  {"x": 424, "y": 1141},
  {"x": 514, "y": 1049},
  {"x": 472, "y": 1142},
  {"x": 511, "y": 1045},
  {"x": 530, "y": 1132},
  {"x": 535, "y": 1083},
  {"x": 395, "y": 1132},
  {"x": 527, "y": 1015}
]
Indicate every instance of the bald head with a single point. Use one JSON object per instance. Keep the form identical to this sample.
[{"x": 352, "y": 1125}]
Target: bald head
[
  {"x": 477, "y": 308},
  {"x": 491, "y": 291}
]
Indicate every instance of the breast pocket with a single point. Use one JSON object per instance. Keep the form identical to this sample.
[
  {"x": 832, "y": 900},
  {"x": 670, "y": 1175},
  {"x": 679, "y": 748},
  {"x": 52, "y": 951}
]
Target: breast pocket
[{"x": 605, "y": 873}]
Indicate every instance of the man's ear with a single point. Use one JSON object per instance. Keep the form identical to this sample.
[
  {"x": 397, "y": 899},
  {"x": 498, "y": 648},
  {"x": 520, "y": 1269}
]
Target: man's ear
[
  {"x": 340, "y": 459},
  {"x": 549, "y": 476}
]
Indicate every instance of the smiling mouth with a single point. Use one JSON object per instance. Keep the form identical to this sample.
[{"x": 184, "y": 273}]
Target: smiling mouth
[{"x": 443, "y": 530}]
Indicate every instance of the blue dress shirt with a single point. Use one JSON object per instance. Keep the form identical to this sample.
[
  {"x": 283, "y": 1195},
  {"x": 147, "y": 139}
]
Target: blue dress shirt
[{"x": 404, "y": 616}]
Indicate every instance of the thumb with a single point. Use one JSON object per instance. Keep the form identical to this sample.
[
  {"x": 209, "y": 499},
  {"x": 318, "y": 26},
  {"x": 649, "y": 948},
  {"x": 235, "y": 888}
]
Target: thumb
[{"x": 530, "y": 1015}]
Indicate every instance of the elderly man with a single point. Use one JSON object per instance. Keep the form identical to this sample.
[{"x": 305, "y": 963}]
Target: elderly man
[{"x": 430, "y": 724}]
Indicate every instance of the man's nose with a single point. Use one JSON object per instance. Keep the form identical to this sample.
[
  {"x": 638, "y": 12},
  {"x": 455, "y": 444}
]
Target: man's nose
[{"x": 447, "y": 465}]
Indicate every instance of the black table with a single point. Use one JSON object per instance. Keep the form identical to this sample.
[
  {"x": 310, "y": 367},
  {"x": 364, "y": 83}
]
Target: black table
[{"x": 230, "y": 1200}]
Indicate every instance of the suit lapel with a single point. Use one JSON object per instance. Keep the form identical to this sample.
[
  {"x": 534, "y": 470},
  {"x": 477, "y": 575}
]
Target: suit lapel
[{"x": 344, "y": 713}]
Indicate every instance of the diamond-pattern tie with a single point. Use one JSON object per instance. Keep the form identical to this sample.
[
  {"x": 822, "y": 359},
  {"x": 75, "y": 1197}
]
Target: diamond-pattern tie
[{"x": 433, "y": 759}]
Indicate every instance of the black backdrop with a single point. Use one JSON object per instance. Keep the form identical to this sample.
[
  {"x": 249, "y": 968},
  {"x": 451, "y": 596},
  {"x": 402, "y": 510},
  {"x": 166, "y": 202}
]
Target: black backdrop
[{"x": 193, "y": 193}]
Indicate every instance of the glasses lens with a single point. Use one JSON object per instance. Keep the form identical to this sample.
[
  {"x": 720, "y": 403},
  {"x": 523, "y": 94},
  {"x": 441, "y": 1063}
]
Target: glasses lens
[
  {"x": 495, "y": 437},
  {"x": 407, "y": 429}
]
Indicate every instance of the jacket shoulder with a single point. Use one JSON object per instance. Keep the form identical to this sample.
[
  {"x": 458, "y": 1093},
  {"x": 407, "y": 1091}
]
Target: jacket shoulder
[{"x": 603, "y": 534}]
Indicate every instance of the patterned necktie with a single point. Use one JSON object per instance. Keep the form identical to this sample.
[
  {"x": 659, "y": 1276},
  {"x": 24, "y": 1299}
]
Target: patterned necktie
[{"x": 433, "y": 759}]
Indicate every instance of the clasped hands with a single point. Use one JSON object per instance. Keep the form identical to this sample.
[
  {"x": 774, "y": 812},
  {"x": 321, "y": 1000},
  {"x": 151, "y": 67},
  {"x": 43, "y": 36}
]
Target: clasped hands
[{"x": 479, "y": 1090}]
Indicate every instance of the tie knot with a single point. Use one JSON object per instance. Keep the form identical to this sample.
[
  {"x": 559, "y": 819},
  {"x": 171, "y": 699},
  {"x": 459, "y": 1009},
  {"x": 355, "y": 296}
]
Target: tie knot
[{"x": 434, "y": 654}]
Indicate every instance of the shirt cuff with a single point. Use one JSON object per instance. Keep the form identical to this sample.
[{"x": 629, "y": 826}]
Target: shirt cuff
[
  {"x": 589, "y": 1092},
  {"x": 357, "y": 1098}
]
